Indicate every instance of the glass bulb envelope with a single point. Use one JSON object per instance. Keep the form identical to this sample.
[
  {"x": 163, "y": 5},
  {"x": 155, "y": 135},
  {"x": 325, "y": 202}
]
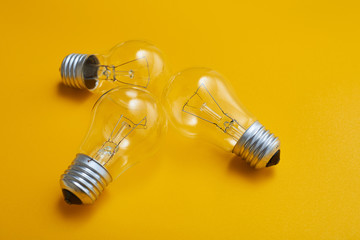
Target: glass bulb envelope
[
  {"x": 201, "y": 103},
  {"x": 126, "y": 128}
]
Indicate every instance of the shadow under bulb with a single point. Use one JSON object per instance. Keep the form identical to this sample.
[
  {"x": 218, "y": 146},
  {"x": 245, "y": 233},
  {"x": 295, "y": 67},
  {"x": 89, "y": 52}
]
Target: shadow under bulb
[
  {"x": 133, "y": 63},
  {"x": 200, "y": 103},
  {"x": 126, "y": 127}
]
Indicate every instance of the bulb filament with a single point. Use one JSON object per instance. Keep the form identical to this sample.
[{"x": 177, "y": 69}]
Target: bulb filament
[
  {"x": 135, "y": 72},
  {"x": 209, "y": 111},
  {"x": 204, "y": 106},
  {"x": 123, "y": 127}
]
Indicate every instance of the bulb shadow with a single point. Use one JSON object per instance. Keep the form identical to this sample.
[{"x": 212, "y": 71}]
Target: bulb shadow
[
  {"x": 239, "y": 167},
  {"x": 78, "y": 95},
  {"x": 82, "y": 212}
]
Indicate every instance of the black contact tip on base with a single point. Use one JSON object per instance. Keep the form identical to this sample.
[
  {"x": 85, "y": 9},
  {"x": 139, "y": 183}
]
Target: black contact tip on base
[
  {"x": 71, "y": 198},
  {"x": 275, "y": 159}
]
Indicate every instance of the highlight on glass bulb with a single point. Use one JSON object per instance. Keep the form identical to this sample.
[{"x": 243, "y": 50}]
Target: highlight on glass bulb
[
  {"x": 133, "y": 63},
  {"x": 126, "y": 128},
  {"x": 201, "y": 103}
]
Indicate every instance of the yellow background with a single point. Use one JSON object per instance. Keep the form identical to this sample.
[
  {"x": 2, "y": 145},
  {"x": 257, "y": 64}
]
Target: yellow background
[{"x": 294, "y": 64}]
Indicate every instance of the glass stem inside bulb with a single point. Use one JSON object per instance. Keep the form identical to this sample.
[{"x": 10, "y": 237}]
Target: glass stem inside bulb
[
  {"x": 209, "y": 111},
  {"x": 109, "y": 72},
  {"x": 111, "y": 146},
  {"x": 229, "y": 125},
  {"x": 234, "y": 129},
  {"x": 135, "y": 72}
]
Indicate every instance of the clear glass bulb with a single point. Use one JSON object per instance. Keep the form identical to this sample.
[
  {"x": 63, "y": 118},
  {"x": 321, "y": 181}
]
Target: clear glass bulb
[
  {"x": 201, "y": 103},
  {"x": 134, "y": 63},
  {"x": 126, "y": 127}
]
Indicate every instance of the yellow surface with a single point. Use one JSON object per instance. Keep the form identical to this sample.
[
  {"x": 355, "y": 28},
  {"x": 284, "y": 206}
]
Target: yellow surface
[{"x": 295, "y": 65}]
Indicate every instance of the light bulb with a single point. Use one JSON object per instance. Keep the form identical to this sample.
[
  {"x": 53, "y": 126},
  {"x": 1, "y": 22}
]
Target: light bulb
[
  {"x": 126, "y": 127},
  {"x": 133, "y": 63},
  {"x": 201, "y": 103}
]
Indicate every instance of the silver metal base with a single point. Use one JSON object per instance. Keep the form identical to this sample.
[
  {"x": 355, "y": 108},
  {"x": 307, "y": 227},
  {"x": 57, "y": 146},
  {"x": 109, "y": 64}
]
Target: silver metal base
[
  {"x": 84, "y": 180},
  {"x": 76, "y": 74},
  {"x": 257, "y": 146}
]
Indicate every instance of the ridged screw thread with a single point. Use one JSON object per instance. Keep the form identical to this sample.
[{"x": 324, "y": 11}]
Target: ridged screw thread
[
  {"x": 257, "y": 145},
  {"x": 72, "y": 70},
  {"x": 85, "y": 178}
]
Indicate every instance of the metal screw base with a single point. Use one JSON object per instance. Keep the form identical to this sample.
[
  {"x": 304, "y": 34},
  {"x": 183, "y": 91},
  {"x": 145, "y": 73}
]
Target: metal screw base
[
  {"x": 80, "y": 71},
  {"x": 258, "y": 147},
  {"x": 84, "y": 180}
]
